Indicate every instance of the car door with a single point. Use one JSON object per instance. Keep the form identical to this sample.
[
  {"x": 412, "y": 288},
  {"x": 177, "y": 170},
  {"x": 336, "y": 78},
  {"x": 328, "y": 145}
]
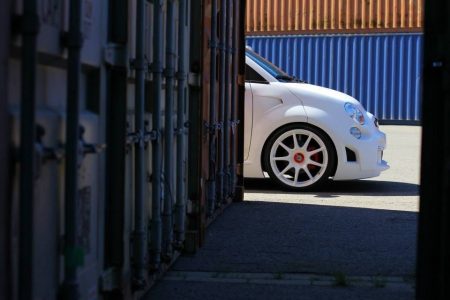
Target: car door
[
  {"x": 260, "y": 97},
  {"x": 252, "y": 80}
]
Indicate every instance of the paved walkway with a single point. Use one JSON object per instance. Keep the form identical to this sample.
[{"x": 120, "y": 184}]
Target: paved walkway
[{"x": 351, "y": 240}]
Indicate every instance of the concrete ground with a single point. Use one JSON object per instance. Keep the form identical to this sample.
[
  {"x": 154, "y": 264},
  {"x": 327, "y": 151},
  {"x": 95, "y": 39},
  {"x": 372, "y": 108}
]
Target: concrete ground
[{"x": 350, "y": 240}]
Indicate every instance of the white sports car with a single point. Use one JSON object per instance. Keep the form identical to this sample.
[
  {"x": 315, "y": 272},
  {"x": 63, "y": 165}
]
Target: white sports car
[{"x": 300, "y": 135}]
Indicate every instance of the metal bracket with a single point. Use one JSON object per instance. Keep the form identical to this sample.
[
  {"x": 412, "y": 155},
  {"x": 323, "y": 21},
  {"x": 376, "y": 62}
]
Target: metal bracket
[
  {"x": 213, "y": 44},
  {"x": 221, "y": 47},
  {"x": 194, "y": 79},
  {"x": 234, "y": 124},
  {"x": 183, "y": 130},
  {"x": 212, "y": 128},
  {"x": 45, "y": 154},
  {"x": 115, "y": 55},
  {"x": 141, "y": 138},
  {"x": 87, "y": 148}
]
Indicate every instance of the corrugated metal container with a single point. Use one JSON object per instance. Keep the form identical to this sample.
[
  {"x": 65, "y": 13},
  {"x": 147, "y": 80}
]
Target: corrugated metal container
[
  {"x": 109, "y": 109},
  {"x": 331, "y": 16},
  {"x": 384, "y": 72}
]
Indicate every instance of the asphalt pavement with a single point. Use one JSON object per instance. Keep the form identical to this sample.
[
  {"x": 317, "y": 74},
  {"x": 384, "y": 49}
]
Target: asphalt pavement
[{"x": 349, "y": 240}]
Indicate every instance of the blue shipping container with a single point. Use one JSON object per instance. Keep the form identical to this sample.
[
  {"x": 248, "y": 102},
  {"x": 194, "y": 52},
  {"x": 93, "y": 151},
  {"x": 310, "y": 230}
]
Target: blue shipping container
[{"x": 383, "y": 71}]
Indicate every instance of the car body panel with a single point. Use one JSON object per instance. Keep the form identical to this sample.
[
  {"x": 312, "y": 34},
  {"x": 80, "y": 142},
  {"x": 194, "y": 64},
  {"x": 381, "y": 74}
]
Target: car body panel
[{"x": 276, "y": 104}]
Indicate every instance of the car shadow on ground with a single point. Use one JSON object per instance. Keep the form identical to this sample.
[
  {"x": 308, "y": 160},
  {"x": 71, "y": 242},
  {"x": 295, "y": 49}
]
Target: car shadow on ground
[{"x": 352, "y": 187}]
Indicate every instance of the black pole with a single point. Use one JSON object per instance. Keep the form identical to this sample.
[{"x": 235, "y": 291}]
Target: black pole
[
  {"x": 72, "y": 251},
  {"x": 157, "y": 69},
  {"x": 433, "y": 255},
  {"x": 140, "y": 216},
  {"x": 234, "y": 90},
  {"x": 211, "y": 186},
  {"x": 5, "y": 186},
  {"x": 169, "y": 153},
  {"x": 30, "y": 31},
  {"x": 228, "y": 99},
  {"x": 180, "y": 206},
  {"x": 222, "y": 100}
]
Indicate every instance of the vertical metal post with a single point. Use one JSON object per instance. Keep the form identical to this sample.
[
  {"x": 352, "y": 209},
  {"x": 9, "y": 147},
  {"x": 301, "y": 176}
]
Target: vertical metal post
[
  {"x": 72, "y": 251},
  {"x": 223, "y": 31},
  {"x": 27, "y": 140},
  {"x": 169, "y": 132},
  {"x": 158, "y": 39},
  {"x": 234, "y": 97},
  {"x": 181, "y": 101},
  {"x": 240, "y": 35},
  {"x": 116, "y": 238},
  {"x": 140, "y": 221},
  {"x": 211, "y": 192},
  {"x": 5, "y": 199},
  {"x": 433, "y": 255},
  {"x": 227, "y": 123}
]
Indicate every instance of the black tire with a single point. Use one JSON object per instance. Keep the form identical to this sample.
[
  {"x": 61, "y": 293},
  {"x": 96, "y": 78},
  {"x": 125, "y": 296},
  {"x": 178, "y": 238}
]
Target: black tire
[{"x": 302, "y": 163}]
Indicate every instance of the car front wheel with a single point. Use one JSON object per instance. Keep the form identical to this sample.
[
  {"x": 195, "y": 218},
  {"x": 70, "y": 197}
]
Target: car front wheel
[{"x": 299, "y": 157}]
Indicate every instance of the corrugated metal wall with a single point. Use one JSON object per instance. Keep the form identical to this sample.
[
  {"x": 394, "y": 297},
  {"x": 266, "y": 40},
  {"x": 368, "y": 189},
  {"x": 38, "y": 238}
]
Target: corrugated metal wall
[
  {"x": 109, "y": 108},
  {"x": 384, "y": 72},
  {"x": 344, "y": 16}
]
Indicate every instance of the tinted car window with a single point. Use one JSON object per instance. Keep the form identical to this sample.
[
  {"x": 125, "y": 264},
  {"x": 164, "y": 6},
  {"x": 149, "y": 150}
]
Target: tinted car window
[{"x": 253, "y": 76}]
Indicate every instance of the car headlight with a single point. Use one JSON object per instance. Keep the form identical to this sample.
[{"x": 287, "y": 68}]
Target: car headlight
[{"x": 354, "y": 113}]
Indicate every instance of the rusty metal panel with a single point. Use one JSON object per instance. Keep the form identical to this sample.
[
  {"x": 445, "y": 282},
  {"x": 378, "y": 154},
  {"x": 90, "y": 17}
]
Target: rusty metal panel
[{"x": 333, "y": 16}]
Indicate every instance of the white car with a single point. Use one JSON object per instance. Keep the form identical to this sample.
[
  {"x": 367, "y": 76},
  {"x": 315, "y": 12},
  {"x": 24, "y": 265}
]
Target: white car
[{"x": 301, "y": 135}]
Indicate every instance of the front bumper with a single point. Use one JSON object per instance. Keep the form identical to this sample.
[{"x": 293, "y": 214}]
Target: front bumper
[{"x": 369, "y": 156}]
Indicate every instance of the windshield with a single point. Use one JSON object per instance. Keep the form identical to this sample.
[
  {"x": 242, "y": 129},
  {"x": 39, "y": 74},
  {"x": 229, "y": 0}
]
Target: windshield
[{"x": 269, "y": 67}]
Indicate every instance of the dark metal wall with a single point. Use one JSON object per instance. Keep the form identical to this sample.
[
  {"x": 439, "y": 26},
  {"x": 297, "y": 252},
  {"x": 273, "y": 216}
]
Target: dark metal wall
[
  {"x": 433, "y": 266},
  {"x": 4, "y": 155},
  {"x": 216, "y": 169},
  {"x": 109, "y": 106}
]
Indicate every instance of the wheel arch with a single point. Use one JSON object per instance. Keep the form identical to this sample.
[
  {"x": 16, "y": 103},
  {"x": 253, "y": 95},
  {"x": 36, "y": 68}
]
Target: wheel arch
[{"x": 281, "y": 128}]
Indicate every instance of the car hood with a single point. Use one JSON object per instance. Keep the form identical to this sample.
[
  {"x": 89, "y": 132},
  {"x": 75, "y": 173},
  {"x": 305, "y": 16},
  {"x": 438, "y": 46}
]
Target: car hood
[{"x": 315, "y": 95}]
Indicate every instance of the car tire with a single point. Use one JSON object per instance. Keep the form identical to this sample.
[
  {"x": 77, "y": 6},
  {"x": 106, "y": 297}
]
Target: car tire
[{"x": 299, "y": 157}]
